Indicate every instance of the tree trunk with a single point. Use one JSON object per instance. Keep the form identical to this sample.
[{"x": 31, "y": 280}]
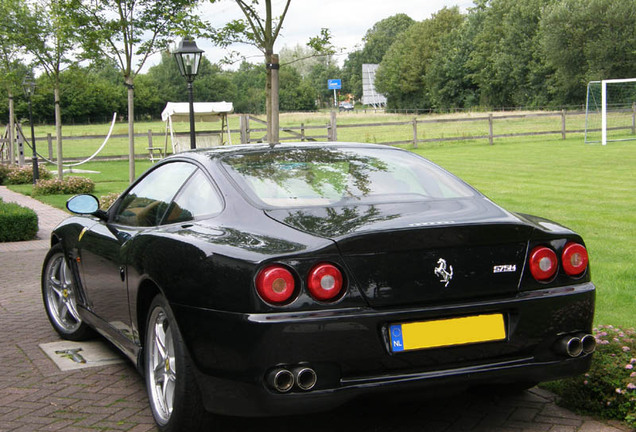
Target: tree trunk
[
  {"x": 268, "y": 94},
  {"x": 274, "y": 119},
  {"x": 131, "y": 129},
  {"x": 11, "y": 129},
  {"x": 271, "y": 97},
  {"x": 58, "y": 132}
]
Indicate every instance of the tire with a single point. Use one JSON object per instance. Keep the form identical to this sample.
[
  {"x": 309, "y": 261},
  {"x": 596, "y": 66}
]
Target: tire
[
  {"x": 175, "y": 399},
  {"x": 59, "y": 293}
]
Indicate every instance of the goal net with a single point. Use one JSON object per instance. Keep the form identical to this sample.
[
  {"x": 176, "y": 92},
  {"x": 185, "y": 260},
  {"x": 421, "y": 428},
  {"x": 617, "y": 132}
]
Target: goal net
[{"x": 610, "y": 111}]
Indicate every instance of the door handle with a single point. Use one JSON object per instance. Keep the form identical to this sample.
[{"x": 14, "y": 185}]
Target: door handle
[{"x": 122, "y": 273}]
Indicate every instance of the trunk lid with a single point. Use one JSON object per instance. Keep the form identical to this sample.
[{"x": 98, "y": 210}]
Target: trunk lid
[{"x": 424, "y": 252}]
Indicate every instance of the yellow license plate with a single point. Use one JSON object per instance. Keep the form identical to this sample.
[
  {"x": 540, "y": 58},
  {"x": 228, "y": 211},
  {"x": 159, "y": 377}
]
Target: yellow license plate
[{"x": 447, "y": 332}]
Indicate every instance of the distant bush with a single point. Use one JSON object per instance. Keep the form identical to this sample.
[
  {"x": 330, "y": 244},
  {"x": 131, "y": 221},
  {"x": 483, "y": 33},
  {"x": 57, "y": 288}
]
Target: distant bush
[
  {"x": 24, "y": 174},
  {"x": 17, "y": 223},
  {"x": 608, "y": 390},
  {"x": 70, "y": 185},
  {"x": 105, "y": 201},
  {"x": 4, "y": 171}
]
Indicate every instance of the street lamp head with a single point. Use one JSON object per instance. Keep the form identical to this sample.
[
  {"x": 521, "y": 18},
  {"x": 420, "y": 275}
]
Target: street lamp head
[
  {"x": 28, "y": 84},
  {"x": 188, "y": 57}
]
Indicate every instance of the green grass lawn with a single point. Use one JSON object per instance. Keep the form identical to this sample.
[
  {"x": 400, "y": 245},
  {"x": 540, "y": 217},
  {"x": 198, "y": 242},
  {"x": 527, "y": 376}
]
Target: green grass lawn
[{"x": 589, "y": 188}]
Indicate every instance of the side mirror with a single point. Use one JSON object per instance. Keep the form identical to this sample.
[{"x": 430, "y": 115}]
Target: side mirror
[{"x": 83, "y": 204}]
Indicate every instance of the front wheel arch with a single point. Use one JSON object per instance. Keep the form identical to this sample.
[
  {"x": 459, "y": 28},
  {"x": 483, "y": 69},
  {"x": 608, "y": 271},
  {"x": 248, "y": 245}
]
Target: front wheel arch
[
  {"x": 147, "y": 291},
  {"x": 60, "y": 294}
]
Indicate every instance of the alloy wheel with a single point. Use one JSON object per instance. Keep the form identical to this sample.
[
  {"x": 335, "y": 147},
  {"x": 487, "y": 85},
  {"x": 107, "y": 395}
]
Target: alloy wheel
[
  {"x": 60, "y": 295},
  {"x": 161, "y": 365}
]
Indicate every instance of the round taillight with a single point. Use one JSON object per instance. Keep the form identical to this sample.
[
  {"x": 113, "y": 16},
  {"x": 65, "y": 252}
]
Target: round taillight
[
  {"x": 574, "y": 258},
  {"x": 325, "y": 282},
  {"x": 543, "y": 263},
  {"x": 275, "y": 284}
]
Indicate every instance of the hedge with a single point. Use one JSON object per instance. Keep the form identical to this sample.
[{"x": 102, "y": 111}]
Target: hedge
[
  {"x": 4, "y": 172},
  {"x": 17, "y": 223},
  {"x": 68, "y": 186},
  {"x": 23, "y": 174}
]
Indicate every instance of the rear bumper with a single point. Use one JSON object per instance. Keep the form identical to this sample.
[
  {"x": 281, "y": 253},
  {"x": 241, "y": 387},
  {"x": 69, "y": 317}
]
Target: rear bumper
[{"x": 349, "y": 350}]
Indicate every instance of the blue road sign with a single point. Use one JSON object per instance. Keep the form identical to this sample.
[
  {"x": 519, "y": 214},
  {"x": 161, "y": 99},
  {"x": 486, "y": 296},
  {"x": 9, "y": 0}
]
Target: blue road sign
[{"x": 334, "y": 84}]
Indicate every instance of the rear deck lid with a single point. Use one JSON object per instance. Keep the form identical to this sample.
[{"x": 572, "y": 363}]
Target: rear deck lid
[{"x": 423, "y": 252}]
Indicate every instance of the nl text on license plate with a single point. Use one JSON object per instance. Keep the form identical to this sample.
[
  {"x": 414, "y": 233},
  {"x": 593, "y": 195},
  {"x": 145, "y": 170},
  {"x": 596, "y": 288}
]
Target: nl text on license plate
[{"x": 447, "y": 332}]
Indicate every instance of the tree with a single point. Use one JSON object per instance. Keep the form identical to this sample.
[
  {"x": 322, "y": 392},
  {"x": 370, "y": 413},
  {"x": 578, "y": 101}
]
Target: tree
[
  {"x": 505, "y": 62},
  {"x": 301, "y": 58},
  {"x": 352, "y": 74},
  {"x": 296, "y": 92},
  {"x": 261, "y": 29},
  {"x": 585, "y": 40},
  {"x": 262, "y": 33},
  {"x": 212, "y": 84},
  {"x": 47, "y": 33},
  {"x": 379, "y": 38},
  {"x": 129, "y": 31},
  {"x": 9, "y": 60},
  {"x": 377, "y": 41},
  {"x": 249, "y": 81},
  {"x": 449, "y": 77},
  {"x": 402, "y": 72},
  {"x": 321, "y": 72}
]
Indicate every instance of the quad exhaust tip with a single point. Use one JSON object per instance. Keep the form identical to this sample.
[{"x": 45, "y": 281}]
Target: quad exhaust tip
[
  {"x": 283, "y": 380},
  {"x": 589, "y": 343},
  {"x": 305, "y": 378},
  {"x": 574, "y": 346}
]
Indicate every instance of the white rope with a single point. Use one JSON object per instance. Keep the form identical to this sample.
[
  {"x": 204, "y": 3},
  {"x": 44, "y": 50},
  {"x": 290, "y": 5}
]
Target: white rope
[{"x": 112, "y": 125}]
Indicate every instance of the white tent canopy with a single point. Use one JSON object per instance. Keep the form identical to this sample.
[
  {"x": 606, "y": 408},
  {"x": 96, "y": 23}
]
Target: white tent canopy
[{"x": 203, "y": 112}]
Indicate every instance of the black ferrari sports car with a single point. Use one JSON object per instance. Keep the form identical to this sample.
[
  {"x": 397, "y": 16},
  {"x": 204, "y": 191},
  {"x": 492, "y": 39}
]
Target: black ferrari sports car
[{"x": 269, "y": 280}]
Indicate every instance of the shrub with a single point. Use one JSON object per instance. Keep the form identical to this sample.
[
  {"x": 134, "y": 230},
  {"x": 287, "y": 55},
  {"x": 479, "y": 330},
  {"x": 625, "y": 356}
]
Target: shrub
[
  {"x": 17, "y": 223},
  {"x": 105, "y": 201},
  {"x": 4, "y": 171},
  {"x": 24, "y": 174},
  {"x": 608, "y": 390},
  {"x": 70, "y": 185}
]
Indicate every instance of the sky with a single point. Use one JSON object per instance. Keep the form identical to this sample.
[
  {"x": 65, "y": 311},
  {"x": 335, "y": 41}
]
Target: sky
[{"x": 348, "y": 21}]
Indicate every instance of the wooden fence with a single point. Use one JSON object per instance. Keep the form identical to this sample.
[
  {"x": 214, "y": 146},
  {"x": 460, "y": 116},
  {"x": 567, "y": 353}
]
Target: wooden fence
[
  {"x": 254, "y": 130},
  {"x": 300, "y": 133}
]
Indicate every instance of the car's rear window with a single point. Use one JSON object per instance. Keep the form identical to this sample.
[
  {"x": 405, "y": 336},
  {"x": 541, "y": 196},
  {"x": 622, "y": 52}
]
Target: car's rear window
[{"x": 327, "y": 176}]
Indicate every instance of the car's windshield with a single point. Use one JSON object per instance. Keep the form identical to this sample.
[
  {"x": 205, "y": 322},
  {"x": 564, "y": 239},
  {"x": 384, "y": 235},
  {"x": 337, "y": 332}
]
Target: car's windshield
[{"x": 340, "y": 175}]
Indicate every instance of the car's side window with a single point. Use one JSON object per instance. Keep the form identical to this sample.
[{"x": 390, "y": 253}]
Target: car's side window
[
  {"x": 197, "y": 198},
  {"x": 146, "y": 203}
]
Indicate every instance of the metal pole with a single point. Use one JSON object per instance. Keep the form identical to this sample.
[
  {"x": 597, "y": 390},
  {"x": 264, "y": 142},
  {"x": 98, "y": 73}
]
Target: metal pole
[
  {"x": 603, "y": 112},
  {"x": 36, "y": 174},
  {"x": 193, "y": 139}
]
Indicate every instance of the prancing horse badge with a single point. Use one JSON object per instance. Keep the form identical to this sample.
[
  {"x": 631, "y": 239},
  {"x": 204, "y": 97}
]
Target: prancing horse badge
[{"x": 443, "y": 273}]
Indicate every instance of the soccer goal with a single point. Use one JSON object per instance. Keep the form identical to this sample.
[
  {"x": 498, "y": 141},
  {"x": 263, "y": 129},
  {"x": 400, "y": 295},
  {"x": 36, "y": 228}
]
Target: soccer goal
[{"x": 610, "y": 111}]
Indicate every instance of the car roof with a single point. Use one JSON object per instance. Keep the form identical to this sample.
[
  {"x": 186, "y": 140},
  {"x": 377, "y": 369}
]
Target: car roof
[{"x": 221, "y": 151}]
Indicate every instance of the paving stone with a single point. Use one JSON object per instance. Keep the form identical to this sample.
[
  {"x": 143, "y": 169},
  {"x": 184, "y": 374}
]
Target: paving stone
[
  {"x": 559, "y": 428},
  {"x": 594, "y": 426},
  {"x": 524, "y": 414},
  {"x": 561, "y": 421}
]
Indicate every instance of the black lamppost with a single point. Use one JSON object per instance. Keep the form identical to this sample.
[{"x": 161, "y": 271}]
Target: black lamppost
[
  {"x": 188, "y": 57},
  {"x": 28, "y": 84}
]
